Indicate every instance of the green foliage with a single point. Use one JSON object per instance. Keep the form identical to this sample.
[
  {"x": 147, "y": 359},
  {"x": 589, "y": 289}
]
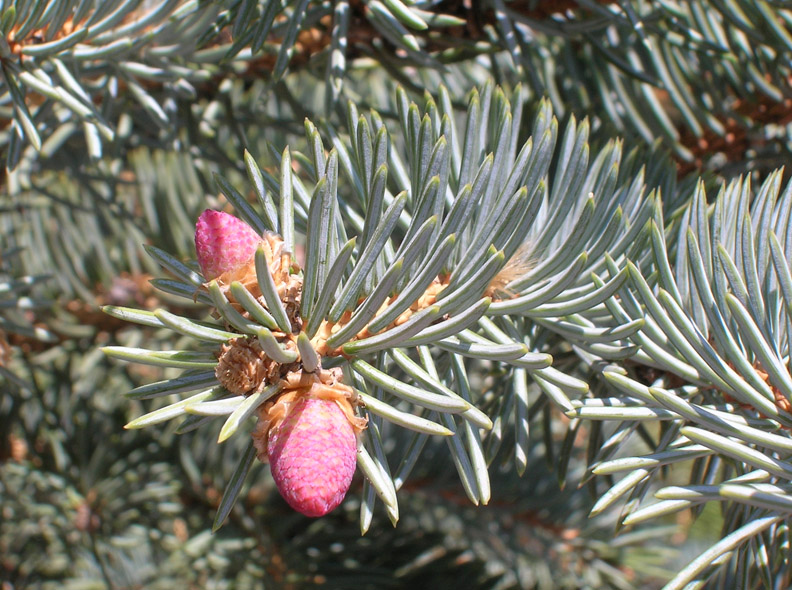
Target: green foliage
[
  {"x": 595, "y": 181},
  {"x": 95, "y": 63},
  {"x": 718, "y": 321}
]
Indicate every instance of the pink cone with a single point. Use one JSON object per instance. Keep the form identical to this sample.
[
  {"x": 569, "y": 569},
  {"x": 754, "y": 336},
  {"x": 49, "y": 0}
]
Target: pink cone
[
  {"x": 312, "y": 456},
  {"x": 223, "y": 243}
]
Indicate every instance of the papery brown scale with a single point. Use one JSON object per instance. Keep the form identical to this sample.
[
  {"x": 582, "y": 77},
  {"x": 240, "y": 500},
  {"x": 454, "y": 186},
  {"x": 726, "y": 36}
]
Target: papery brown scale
[{"x": 242, "y": 366}]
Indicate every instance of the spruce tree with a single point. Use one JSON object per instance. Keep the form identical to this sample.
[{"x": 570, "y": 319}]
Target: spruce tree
[{"x": 499, "y": 292}]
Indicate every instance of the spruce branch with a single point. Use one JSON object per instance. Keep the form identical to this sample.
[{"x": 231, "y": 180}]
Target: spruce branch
[
  {"x": 402, "y": 349},
  {"x": 63, "y": 65},
  {"x": 716, "y": 334},
  {"x": 24, "y": 307}
]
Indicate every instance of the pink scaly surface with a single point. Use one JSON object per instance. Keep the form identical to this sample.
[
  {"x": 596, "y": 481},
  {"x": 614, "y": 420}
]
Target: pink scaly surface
[
  {"x": 223, "y": 243},
  {"x": 312, "y": 456}
]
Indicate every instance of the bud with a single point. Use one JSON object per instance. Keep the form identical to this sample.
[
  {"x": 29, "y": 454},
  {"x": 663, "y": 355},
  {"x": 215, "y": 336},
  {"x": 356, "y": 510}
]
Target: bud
[
  {"x": 312, "y": 454},
  {"x": 223, "y": 243},
  {"x": 243, "y": 367}
]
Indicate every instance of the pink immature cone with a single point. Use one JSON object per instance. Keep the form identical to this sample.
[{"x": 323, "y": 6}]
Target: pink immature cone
[
  {"x": 223, "y": 243},
  {"x": 312, "y": 456}
]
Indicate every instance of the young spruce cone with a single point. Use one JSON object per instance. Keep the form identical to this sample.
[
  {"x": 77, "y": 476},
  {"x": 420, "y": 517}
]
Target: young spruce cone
[
  {"x": 312, "y": 455},
  {"x": 309, "y": 437},
  {"x": 223, "y": 243}
]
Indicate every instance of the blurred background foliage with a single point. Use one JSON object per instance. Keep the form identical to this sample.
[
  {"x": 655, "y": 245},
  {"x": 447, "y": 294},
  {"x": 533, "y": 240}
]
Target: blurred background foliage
[{"x": 114, "y": 117}]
